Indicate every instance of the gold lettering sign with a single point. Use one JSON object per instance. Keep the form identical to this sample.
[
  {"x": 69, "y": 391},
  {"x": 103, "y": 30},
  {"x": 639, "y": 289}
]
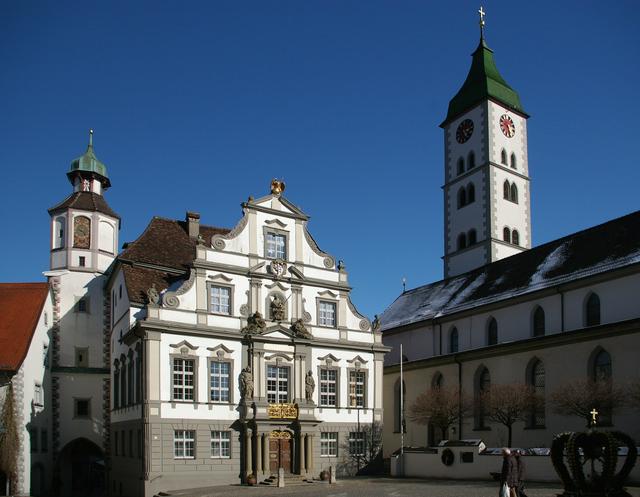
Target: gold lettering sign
[
  {"x": 282, "y": 411},
  {"x": 280, "y": 435}
]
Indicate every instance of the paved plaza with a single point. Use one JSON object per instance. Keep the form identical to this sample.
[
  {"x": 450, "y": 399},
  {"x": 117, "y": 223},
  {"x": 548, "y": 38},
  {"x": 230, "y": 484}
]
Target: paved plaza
[{"x": 378, "y": 487}]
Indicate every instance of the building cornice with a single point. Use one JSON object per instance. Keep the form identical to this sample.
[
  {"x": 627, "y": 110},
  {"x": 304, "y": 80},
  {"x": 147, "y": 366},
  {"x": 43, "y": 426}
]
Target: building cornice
[{"x": 554, "y": 340}]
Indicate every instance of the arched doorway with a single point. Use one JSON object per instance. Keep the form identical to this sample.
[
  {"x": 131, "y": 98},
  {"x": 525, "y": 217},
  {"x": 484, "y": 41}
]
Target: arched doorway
[{"x": 81, "y": 469}]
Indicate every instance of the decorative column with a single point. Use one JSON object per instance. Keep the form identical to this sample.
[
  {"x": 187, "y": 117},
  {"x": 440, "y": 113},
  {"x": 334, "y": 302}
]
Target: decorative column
[
  {"x": 248, "y": 463},
  {"x": 258, "y": 454},
  {"x": 265, "y": 453},
  {"x": 301, "y": 451},
  {"x": 307, "y": 449},
  {"x": 310, "y": 467}
]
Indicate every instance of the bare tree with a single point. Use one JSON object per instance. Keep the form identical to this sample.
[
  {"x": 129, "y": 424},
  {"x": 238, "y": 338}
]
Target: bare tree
[
  {"x": 509, "y": 403},
  {"x": 441, "y": 406},
  {"x": 580, "y": 397},
  {"x": 363, "y": 450}
]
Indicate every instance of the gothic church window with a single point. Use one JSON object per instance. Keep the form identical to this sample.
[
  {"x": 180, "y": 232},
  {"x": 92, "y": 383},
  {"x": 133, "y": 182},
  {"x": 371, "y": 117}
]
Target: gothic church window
[
  {"x": 536, "y": 379},
  {"x": 506, "y": 190},
  {"x": 515, "y": 237},
  {"x": 513, "y": 161},
  {"x": 59, "y": 232},
  {"x": 460, "y": 165},
  {"x": 506, "y": 234},
  {"x": 472, "y": 237},
  {"x": 492, "y": 332},
  {"x": 471, "y": 193},
  {"x": 592, "y": 310},
  {"x": 453, "y": 341},
  {"x": 462, "y": 241},
  {"x": 471, "y": 160},
  {"x": 462, "y": 197},
  {"x": 538, "y": 322},
  {"x": 601, "y": 371},
  {"x": 503, "y": 157},
  {"x": 514, "y": 193},
  {"x": 482, "y": 385}
]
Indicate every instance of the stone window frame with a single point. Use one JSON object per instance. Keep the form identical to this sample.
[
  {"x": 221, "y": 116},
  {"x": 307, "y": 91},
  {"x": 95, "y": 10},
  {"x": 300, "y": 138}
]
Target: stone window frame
[
  {"x": 78, "y": 351},
  {"x": 218, "y": 284},
  {"x": 184, "y": 439},
  {"x": 189, "y": 356},
  {"x": 275, "y": 231},
  {"x": 365, "y": 403},
  {"x": 337, "y": 369},
  {"x": 76, "y": 400},
  {"x": 220, "y": 440},
  {"x": 326, "y": 300},
  {"x": 219, "y": 359},
  {"x": 279, "y": 362},
  {"x": 330, "y": 442}
]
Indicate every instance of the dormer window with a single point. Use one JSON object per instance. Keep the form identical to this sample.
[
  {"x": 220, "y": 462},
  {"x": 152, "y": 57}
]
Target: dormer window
[{"x": 276, "y": 245}]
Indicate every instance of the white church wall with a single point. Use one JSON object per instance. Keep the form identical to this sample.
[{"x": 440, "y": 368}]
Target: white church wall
[
  {"x": 516, "y": 144},
  {"x": 456, "y": 150}
]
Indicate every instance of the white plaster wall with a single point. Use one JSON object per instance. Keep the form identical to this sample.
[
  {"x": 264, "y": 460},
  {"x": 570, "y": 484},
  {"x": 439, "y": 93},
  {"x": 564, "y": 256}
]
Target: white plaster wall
[
  {"x": 202, "y": 408},
  {"x": 81, "y": 387},
  {"x": 343, "y": 414},
  {"x": 475, "y": 143},
  {"x": 36, "y": 417},
  {"x": 466, "y": 260},
  {"x": 507, "y": 213},
  {"x": 516, "y": 144},
  {"x": 418, "y": 343},
  {"x": 80, "y": 329}
]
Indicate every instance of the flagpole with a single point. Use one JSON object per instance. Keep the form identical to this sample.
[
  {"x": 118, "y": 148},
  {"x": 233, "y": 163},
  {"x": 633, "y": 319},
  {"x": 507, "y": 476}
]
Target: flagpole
[{"x": 401, "y": 416}]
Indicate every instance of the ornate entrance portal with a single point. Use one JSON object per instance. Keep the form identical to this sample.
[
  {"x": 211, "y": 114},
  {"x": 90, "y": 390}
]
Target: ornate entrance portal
[{"x": 280, "y": 452}]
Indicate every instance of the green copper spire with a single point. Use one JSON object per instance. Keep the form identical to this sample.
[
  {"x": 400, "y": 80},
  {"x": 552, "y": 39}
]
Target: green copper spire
[
  {"x": 483, "y": 82},
  {"x": 89, "y": 163}
]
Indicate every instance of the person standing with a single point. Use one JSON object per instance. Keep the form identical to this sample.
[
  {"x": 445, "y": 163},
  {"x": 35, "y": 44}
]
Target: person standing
[
  {"x": 509, "y": 474},
  {"x": 520, "y": 467}
]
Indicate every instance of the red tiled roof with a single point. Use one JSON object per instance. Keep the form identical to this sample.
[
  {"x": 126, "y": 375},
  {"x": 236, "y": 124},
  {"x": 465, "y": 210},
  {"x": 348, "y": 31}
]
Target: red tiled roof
[
  {"x": 20, "y": 308},
  {"x": 165, "y": 244}
]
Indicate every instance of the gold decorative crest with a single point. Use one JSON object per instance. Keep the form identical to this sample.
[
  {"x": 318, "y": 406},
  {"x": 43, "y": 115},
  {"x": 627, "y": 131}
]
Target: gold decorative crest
[
  {"x": 280, "y": 435},
  {"x": 282, "y": 411},
  {"x": 277, "y": 186}
]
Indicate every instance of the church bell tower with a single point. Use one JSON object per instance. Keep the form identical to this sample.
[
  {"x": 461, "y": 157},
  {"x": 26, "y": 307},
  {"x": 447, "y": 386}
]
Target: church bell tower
[{"x": 486, "y": 189}]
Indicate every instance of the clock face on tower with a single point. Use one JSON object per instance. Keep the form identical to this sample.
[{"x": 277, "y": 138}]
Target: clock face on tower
[
  {"x": 506, "y": 126},
  {"x": 464, "y": 131},
  {"x": 82, "y": 232}
]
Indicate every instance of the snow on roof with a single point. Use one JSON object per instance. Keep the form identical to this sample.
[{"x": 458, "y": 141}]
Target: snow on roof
[{"x": 599, "y": 249}]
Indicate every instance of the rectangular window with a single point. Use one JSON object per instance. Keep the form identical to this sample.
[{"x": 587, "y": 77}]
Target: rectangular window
[
  {"x": 328, "y": 387},
  {"x": 183, "y": 379},
  {"x": 82, "y": 357},
  {"x": 81, "y": 261},
  {"x": 81, "y": 408},
  {"x": 276, "y": 246},
  {"x": 277, "y": 384},
  {"x": 327, "y": 313},
  {"x": 220, "y": 299},
  {"x": 219, "y": 373},
  {"x": 184, "y": 444},
  {"x": 356, "y": 443},
  {"x": 356, "y": 388},
  {"x": 221, "y": 444},
  {"x": 44, "y": 440},
  {"x": 37, "y": 395},
  {"x": 329, "y": 444}
]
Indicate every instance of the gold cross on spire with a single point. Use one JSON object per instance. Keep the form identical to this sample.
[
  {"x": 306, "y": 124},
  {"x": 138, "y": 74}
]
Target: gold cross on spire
[
  {"x": 594, "y": 414},
  {"x": 482, "y": 14}
]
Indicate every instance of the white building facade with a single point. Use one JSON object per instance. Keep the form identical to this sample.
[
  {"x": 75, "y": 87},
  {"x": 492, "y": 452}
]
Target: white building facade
[
  {"x": 507, "y": 313},
  {"x": 236, "y": 353}
]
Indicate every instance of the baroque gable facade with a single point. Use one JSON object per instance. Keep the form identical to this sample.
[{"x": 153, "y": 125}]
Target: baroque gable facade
[{"x": 248, "y": 358}]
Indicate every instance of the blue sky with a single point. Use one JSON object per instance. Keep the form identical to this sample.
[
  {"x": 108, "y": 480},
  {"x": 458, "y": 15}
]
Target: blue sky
[{"x": 197, "y": 105}]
